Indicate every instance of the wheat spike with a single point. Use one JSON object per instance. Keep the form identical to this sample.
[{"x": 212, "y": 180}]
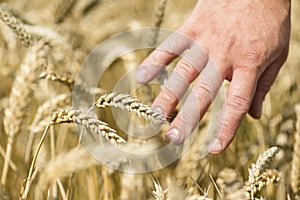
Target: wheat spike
[
  {"x": 16, "y": 25},
  {"x": 77, "y": 117},
  {"x": 266, "y": 178},
  {"x": 21, "y": 95},
  {"x": 62, "y": 78},
  {"x": 131, "y": 104},
  {"x": 158, "y": 193},
  {"x": 88, "y": 121},
  {"x": 64, "y": 165},
  {"x": 23, "y": 86},
  {"x": 295, "y": 171},
  {"x": 259, "y": 167}
]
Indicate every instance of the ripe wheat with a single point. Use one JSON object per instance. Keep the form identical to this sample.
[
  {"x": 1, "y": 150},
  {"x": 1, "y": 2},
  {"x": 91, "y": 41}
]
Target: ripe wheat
[
  {"x": 131, "y": 104},
  {"x": 16, "y": 25}
]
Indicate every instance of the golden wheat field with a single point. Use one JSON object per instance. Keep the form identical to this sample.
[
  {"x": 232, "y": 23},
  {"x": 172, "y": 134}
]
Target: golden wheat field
[{"x": 42, "y": 46}]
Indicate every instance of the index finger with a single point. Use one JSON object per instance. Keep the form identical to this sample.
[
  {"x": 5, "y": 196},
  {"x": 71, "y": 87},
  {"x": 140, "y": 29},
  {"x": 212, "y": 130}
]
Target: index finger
[{"x": 167, "y": 51}]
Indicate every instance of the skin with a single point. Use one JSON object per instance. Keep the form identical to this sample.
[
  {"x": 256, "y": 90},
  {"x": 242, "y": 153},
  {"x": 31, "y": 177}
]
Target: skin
[{"x": 245, "y": 42}]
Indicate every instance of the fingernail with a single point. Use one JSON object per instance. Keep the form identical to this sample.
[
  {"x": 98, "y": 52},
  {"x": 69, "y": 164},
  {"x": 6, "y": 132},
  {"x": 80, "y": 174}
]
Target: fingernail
[
  {"x": 141, "y": 75},
  {"x": 174, "y": 136},
  {"x": 215, "y": 146}
]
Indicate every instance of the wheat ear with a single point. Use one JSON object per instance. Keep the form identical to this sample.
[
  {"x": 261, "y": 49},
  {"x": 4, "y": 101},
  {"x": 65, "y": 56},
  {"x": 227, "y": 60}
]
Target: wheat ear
[
  {"x": 259, "y": 167},
  {"x": 88, "y": 121},
  {"x": 64, "y": 165},
  {"x": 158, "y": 193},
  {"x": 73, "y": 116},
  {"x": 266, "y": 178},
  {"x": 131, "y": 104},
  {"x": 16, "y": 26},
  {"x": 61, "y": 78},
  {"x": 21, "y": 96},
  {"x": 295, "y": 172}
]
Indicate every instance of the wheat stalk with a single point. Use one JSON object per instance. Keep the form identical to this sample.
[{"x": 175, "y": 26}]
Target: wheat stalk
[
  {"x": 131, "y": 104},
  {"x": 295, "y": 171},
  {"x": 21, "y": 95},
  {"x": 43, "y": 116},
  {"x": 16, "y": 26},
  {"x": 259, "y": 167}
]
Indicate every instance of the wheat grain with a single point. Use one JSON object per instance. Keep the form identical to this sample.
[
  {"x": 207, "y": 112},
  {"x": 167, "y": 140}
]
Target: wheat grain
[
  {"x": 22, "y": 89},
  {"x": 295, "y": 171},
  {"x": 259, "y": 167},
  {"x": 131, "y": 104},
  {"x": 266, "y": 178},
  {"x": 16, "y": 25},
  {"x": 88, "y": 121},
  {"x": 262, "y": 163},
  {"x": 158, "y": 193},
  {"x": 21, "y": 95},
  {"x": 62, "y": 78}
]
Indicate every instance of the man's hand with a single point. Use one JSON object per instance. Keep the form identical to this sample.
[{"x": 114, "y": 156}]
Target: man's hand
[{"x": 243, "y": 41}]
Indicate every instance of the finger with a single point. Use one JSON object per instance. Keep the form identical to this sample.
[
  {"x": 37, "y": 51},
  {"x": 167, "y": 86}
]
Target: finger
[
  {"x": 185, "y": 72},
  {"x": 201, "y": 96},
  {"x": 171, "y": 48},
  {"x": 237, "y": 103},
  {"x": 264, "y": 85}
]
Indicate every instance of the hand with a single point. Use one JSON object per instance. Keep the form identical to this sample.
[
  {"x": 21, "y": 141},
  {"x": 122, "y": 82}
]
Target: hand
[{"x": 245, "y": 42}]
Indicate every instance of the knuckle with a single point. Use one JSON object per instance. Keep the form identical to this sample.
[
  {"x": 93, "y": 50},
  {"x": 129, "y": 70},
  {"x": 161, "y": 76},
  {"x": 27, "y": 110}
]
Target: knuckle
[
  {"x": 168, "y": 96},
  {"x": 201, "y": 89},
  {"x": 254, "y": 56},
  {"x": 186, "y": 70},
  {"x": 238, "y": 103}
]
